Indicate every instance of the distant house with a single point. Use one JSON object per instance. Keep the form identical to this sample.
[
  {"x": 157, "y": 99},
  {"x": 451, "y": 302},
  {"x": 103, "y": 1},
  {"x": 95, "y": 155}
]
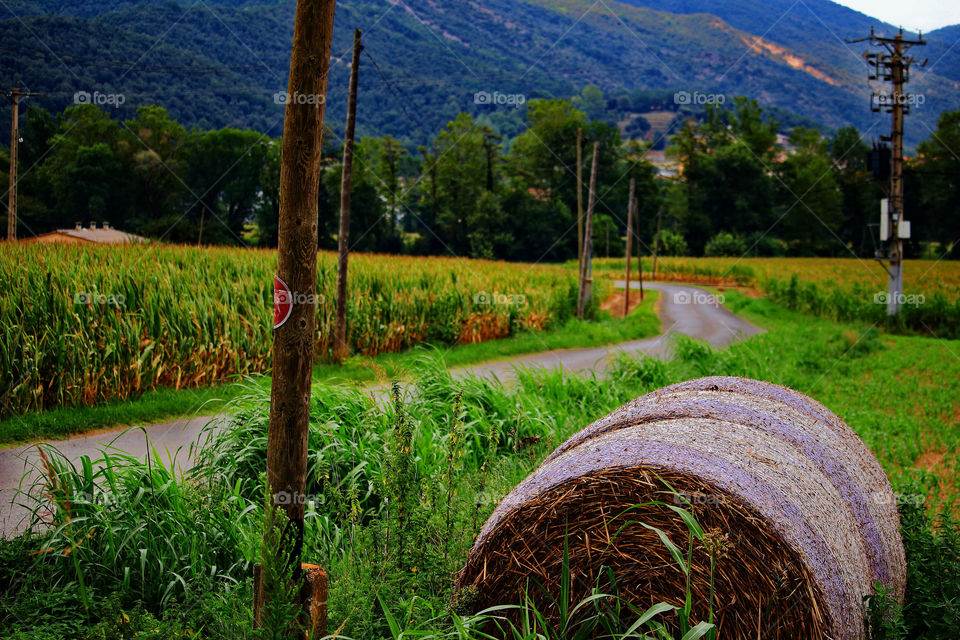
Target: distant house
[
  {"x": 92, "y": 234},
  {"x": 666, "y": 167}
]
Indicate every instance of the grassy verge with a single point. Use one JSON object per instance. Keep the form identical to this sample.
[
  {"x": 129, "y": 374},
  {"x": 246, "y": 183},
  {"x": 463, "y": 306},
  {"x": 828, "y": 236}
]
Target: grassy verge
[
  {"x": 168, "y": 404},
  {"x": 152, "y": 407},
  {"x": 390, "y": 568}
]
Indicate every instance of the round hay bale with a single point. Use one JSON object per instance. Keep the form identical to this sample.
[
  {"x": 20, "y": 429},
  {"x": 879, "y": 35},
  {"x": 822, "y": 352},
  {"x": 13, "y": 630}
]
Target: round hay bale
[{"x": 799, "y": 514}]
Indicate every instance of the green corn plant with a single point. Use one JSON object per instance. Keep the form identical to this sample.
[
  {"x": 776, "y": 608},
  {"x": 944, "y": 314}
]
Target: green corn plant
[{"x": 81, "y": 325}]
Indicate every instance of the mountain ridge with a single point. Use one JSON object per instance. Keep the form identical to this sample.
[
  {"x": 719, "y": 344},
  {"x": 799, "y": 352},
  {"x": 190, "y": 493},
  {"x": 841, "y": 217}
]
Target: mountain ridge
[{"x": 433, "y": 58}]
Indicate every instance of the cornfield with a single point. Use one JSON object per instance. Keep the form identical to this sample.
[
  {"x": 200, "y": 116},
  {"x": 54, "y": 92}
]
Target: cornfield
[
  {"x": 920, "y": 276},
  {"x": 86, "y": 324}
]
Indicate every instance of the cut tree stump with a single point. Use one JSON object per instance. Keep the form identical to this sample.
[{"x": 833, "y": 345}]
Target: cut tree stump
[{"x": 314, "y": 591}]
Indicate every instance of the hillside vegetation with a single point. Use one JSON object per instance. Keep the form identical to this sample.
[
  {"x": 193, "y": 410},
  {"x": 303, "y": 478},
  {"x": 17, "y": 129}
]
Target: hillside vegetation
[{"x": 220, "y": 63}]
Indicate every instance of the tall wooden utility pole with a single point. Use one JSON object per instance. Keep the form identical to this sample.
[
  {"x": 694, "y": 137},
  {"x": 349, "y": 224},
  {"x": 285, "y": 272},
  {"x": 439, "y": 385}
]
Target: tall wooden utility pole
[
  {"x": 656, "y": 243},
  {"x": 630, "y": 208},
  {"x": 14, "y": 145},
  {"x": 586, "y": 264},
  {"x": 293, "y": 341},
  {"x": 14, "y": 95},
  {"x": 580, "y": 198},
  {"x": 894, "y": 67},
  {"x": 341, "y": 350}
]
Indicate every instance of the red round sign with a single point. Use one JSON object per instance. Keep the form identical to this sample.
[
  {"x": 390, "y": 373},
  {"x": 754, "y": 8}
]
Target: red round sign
[{"x": 282, "y": 302}]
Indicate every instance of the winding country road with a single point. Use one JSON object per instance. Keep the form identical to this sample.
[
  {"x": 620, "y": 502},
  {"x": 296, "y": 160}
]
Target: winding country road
[{"x": 683, "y": 310}]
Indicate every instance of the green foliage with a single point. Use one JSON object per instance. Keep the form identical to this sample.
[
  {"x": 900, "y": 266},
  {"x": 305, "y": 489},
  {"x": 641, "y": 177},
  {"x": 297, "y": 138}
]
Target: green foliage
[
  {"x": 810, "y": 200},
  {"x": 200, "y": 534},
  {"x": 727, "y": 162},
  {"x": 939, "y": 194},
  {"x": 474, "y": 191},
  {"x": 725, "y": 245},
  {"x": 884, "y": 615},
  {"x": 761, "y": 244},
  {"x": 932, "y": 544},
  {"x": 671, "y": 243},
  {"x": 934, "y": 315},
  {"x": 281, "y": 594},
  {"x": 372, "y": 224},
  {"x": 87, "y": 324},
  {"x": 131, "y": 527},
  {"x": 419, "y": 85}
]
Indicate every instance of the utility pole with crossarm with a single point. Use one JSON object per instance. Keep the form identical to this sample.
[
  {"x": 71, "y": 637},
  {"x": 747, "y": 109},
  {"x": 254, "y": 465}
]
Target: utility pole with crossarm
[
  {"x": 893, "y": 66},
  {"x": 14, "y": 96}
]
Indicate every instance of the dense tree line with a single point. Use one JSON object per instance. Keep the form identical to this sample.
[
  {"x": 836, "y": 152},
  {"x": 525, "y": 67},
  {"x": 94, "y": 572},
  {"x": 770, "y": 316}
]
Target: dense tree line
[{"x": 471, "y": 192}]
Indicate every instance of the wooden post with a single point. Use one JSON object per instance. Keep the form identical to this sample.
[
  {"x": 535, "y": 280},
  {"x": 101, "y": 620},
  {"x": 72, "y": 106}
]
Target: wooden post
[
  {"x": 293, "y": 342},
  {"x": 630, "y": 208},
  {"x": 15, "y": 95},
  {"x": 341, "y": 349},
  {"x": 636, "y": 222},
  {"x": 580, "y": 200},
  {"x": 656, "y": 242},
  {"x": 586, "y": 263},
  {"x": 314, "y": 591},
  {"x": 14, "y": 148}
]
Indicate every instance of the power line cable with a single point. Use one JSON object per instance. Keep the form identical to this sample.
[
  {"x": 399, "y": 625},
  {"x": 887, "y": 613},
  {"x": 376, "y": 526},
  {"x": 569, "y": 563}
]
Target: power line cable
[{"x": 120, "y": 64}]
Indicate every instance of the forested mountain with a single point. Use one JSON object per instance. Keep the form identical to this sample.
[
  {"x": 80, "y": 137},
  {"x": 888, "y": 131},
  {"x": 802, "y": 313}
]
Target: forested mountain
[{"x": 222, "y": 62}]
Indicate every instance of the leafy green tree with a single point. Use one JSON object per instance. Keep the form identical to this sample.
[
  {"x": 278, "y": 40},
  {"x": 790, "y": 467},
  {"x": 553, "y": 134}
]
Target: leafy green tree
[
  {"x": 860, "y": 194},
  {"x": 387, "y": 155},
  {"x": 649, "y": 192},
  {"x": 151, "y": 145},
  {"x": 464, "y": 172},
  {"x": 939, "y": 169},
  {"x": 544, "y": 159},
  {"x": 672, "y": 244},
  {"x": 727, "y": 189},
  {"x": 36, "y": 206},
  {"x": 726, "y": 245},
  {"x": 4, "y": 179},
  {"x": 267, "y": 208},
  {"x": 490, "y": 234},
  {"x": 93, "y": 186},
  {"x": 810, "y": 210},
  {"x": 592, "y": 102},
  {"x": 727, "y": 163},
  {"x": 744, "y": 122},
  {"x": 371, "y": 229},
  {"x": 224, "y": 169},
  {"x": 81, "y": 129},
  {"x": 539, "y": 224}
]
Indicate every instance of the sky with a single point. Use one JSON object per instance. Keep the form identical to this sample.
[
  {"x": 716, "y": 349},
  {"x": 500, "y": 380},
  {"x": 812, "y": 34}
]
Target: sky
[{"x": 913, "y": 14}]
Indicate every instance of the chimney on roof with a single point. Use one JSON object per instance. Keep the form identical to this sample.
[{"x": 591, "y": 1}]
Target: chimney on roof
[
  {"x": 78, "y": 226},
  {"x": 93, "y": 225},
  {"x": 106, "y": 226}
]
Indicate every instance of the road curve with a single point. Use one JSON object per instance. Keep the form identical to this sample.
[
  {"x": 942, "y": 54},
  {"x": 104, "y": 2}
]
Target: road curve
[{"x": 683, "y": 310}]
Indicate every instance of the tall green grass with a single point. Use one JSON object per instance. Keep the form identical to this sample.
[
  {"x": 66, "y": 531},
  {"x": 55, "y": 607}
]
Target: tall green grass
[
  {"x": 396, "y": 504},
  {"x": 934, "y": 314}
]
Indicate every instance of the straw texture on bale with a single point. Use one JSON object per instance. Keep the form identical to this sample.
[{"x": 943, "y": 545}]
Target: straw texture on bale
[{"x": 800, "y": 518}]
